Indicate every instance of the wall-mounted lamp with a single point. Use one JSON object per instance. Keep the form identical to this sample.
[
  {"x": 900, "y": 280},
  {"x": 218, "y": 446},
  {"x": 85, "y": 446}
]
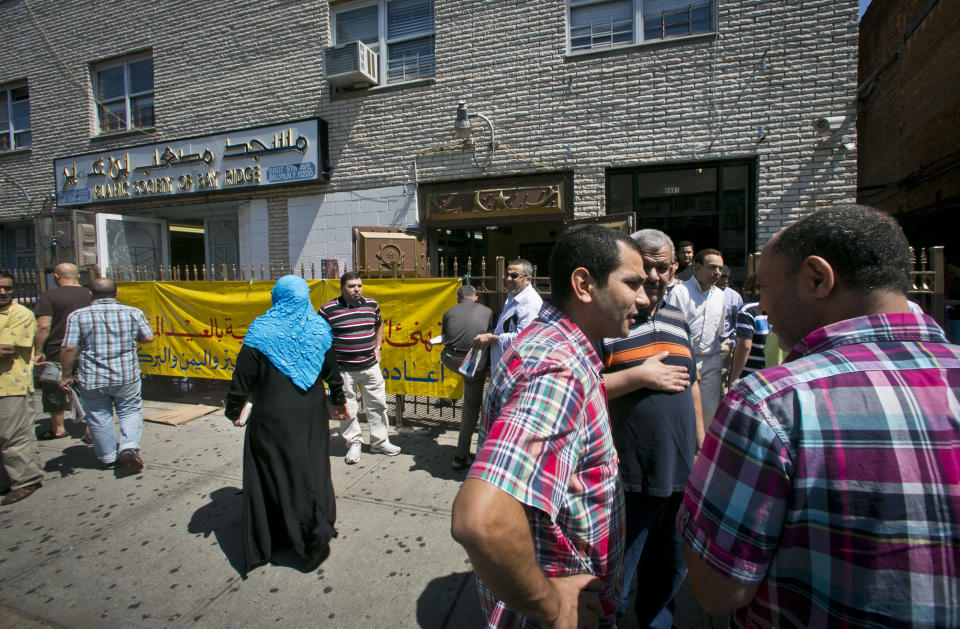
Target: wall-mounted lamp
[{"x": 464, "y": 130}]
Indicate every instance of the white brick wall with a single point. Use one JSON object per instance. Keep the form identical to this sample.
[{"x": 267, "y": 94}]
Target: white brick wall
[
  {"x": 321, "y": 226},
  {"x": 699, "y": 99}
]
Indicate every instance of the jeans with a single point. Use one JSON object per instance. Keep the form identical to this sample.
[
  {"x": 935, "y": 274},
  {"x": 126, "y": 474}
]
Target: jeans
[
  {"x": 374, "y": 392},
  {"x": 98, "y": 406},
  {"x": 654, "y": 554}
]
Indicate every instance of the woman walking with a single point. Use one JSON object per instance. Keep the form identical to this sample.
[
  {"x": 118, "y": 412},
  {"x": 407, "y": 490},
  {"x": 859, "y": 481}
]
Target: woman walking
[{"x": 288, "y": 499}]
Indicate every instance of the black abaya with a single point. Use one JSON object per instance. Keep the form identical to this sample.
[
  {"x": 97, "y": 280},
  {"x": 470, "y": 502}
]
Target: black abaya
[{"x": 288, "y": 499}]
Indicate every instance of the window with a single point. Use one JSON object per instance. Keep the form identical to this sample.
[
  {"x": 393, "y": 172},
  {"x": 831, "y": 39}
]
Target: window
[
  {"x": 124, "y": 94},
  {"x": 712, "y": 204},
  {"x": 14, "y": 118},
  {"x": 401, "y": 31},
  {"x": 602, "y": 24}
]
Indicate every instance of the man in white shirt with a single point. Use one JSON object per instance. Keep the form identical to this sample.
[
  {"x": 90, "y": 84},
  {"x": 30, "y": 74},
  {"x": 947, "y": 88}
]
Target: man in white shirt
[
  {"x": 703, "y": 305},
  {"x": 521, "y": 308}
]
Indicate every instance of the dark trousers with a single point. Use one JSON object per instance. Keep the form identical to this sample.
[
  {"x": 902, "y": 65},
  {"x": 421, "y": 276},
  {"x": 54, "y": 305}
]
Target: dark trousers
[
  {"x": 472, "y": 398},
  {"x": 653, "y": 553}
]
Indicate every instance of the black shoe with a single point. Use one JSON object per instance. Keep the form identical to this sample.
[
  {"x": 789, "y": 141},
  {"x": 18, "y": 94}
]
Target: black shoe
[{"x": 129, "y": 461}]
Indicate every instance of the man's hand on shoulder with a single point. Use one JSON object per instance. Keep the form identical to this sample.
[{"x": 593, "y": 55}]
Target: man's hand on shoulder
[{"x": 578, "y": 602}]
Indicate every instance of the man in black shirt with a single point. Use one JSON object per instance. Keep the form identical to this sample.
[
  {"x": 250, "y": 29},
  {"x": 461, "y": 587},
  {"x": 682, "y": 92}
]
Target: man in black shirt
[
  {"x": 460, "y": 325},
  {"x": 51, "y": 311}
]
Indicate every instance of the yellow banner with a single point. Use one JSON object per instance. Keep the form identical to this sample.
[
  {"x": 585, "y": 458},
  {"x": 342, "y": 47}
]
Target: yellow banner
[{"x": 199, "y": 327}]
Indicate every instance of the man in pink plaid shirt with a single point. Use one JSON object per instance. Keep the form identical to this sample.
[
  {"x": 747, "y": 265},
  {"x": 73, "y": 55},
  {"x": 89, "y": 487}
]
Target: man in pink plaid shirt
[{"x": 541, "y": 511}]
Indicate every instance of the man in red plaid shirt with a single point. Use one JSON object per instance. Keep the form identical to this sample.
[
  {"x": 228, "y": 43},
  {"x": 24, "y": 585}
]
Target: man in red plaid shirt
[{"x": 541, "y": 511}]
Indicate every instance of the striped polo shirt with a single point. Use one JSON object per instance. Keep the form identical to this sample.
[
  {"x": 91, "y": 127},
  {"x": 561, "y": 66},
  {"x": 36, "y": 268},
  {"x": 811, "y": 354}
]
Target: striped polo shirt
[
  {"x": 753, "y": 324},
  {"x": 354, "y": 331}
]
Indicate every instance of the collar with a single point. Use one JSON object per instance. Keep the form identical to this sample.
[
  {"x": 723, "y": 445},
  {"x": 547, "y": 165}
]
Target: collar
[
  {"x": 346, "y": 304},
  {"x": 551, "y": 316},
  {"x": 105, "y": 300},
  {"x": 694, "y": 285},
  {"x": 875, "y": 328}
]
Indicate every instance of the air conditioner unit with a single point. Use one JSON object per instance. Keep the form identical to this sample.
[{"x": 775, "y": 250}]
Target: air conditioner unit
[{"x": 351, "y": 65}]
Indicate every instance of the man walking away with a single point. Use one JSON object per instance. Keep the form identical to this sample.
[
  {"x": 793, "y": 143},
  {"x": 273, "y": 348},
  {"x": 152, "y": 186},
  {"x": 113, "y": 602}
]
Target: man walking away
[
  {"x": 357, "y": 338},
  {"x": 541, "y": 511},
  {"x": 461, "y": 324},
  {"x": 101, "y": 341},
  {"x": 828, "y": 487},
  {"x": 521, "y": 308},
  {"x": 51, "y": 311},
  {"x": 18, "y": 446},
  {"x": 657, "y": 429}
]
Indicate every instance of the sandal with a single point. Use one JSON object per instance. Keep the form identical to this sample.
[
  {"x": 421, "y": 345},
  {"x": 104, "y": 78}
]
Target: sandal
[
  {"x": 86, "y": 438},
  {"x": 461, "y": 462},
  {"x": 49, "y": 435}
]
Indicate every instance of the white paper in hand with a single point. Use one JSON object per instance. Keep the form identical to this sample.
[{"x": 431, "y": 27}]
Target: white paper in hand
[{"x": 244, "y": 414}]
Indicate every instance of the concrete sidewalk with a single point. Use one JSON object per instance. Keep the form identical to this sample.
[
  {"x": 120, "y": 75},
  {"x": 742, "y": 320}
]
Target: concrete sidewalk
[{"x": 161, "y": 548}]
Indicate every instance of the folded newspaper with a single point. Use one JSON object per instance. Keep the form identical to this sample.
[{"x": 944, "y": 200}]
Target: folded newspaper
[{"x": 471, "y": 362}]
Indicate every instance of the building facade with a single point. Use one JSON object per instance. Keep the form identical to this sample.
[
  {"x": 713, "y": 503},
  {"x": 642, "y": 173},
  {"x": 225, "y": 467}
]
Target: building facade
[
  {"x": 262, "y": 133},
  {"x": 909, "y": 158}
]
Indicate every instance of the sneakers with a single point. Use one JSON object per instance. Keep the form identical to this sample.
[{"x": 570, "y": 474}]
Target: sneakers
[
  {"x": 353, "y": 453},
  {"x": 129, "y": 461},
  {"x": 385, "y": 448}
]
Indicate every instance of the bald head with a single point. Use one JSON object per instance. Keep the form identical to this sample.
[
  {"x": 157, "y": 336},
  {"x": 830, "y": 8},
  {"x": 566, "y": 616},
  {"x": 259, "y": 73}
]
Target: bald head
[
  {"x": 66, "y": 274},
  {"x": 103, "y": 287}
]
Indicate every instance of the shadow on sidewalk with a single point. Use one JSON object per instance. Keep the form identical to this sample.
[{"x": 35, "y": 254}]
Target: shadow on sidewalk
[
  {"x": 449, "y": 602},
  {"x": 74, "y": 457},
  {"x": 222, "y": 518}
]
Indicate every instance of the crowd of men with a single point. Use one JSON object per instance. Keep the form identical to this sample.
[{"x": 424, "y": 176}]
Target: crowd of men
[
  {"x": 636, "y": 430},
  {"x": 822, "y": 491}
]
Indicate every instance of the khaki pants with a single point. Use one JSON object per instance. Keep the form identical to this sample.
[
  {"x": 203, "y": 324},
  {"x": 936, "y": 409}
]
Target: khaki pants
[
  {"x": 18, "y": 443},
  {"x": 373, "y": 390}
]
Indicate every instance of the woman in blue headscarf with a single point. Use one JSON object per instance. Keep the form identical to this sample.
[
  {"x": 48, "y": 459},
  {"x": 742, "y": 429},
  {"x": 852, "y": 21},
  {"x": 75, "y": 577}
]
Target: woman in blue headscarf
[{"x": 288, "y": 499}]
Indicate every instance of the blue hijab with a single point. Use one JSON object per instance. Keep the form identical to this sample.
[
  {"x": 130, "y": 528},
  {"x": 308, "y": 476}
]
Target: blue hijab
[{"x": 291, "y": 334}]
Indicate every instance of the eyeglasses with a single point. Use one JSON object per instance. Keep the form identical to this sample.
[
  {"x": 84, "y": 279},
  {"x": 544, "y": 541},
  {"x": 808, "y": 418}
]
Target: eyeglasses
[
  {"x": 9, "y": 288},
  {"x": 514, "y": 276}
]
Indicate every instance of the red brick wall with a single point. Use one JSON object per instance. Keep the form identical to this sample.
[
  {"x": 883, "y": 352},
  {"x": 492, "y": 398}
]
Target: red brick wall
[{"x": 908, "y": 127}]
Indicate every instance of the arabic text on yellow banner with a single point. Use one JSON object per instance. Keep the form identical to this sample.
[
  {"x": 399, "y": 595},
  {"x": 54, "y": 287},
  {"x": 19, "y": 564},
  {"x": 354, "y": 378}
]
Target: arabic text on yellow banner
[{"x": 199, "y": 327}]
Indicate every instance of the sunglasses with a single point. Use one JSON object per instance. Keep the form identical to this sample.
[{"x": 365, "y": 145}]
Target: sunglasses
[{"x": 514, "y": 276}]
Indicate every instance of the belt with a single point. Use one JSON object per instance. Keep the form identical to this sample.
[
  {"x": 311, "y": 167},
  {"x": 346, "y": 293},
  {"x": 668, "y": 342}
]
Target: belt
[{"x": 456, "y": 350}]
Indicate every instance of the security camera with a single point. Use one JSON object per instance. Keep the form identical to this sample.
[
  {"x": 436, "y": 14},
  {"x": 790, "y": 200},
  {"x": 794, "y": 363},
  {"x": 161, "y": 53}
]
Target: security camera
[{"x": 828, "y": 124}]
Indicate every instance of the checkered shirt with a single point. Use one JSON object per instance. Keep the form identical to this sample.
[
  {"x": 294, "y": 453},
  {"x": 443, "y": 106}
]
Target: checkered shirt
[
  {"x": 546, "y": 441},
  {"x": 833, "y": 480},
  {"x": 106, "y": 335}
]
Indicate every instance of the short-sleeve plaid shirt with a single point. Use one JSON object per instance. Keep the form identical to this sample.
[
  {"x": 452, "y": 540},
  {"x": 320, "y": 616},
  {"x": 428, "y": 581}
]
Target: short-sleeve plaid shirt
[
  {"x": 833, "y": 480},
  {"x": 546, "y": 441},
  {"x": 106, "y": 334}
]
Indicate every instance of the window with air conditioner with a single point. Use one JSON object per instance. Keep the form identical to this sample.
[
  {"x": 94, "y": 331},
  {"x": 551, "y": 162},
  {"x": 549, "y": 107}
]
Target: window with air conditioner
[
  {"x": 400, "y": 31},
  {"x": 603, "y": 24},
  {"x": 15, "y": 117},
  {"x": 123, "y": 92}
]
